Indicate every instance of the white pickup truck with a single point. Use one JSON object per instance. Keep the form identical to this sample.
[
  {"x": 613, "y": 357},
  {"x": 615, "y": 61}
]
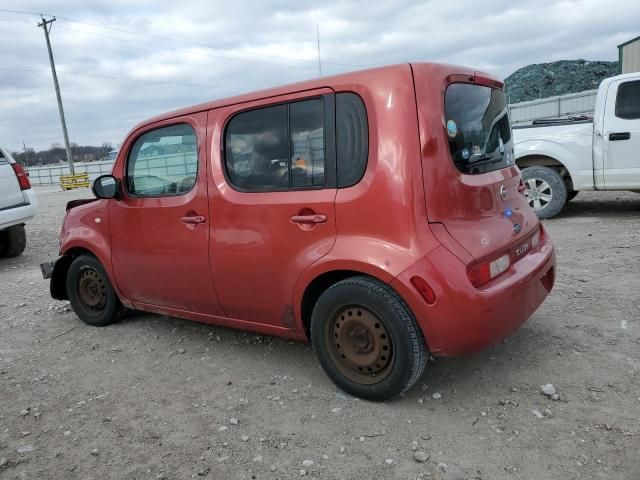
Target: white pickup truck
[
  {"x": 558, "y": 158},
  {"x": 18, "y": 203}
]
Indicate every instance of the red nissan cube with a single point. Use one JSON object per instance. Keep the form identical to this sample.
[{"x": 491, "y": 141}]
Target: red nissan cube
[{"x": 378, "y": 214}]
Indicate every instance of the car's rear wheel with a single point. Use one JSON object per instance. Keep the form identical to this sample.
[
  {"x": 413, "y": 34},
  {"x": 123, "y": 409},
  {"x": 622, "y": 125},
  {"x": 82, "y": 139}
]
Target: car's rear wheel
[
  {"x": 545, "y": 190},
  {"x": 367, "y": 339},
  {"x": 13, "y": 241},
  {"x": 90, "y": 292}
]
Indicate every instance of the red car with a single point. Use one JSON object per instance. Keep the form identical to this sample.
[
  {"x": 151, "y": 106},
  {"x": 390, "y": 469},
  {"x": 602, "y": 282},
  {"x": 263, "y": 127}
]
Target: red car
[{"x": 377, "y": 213}]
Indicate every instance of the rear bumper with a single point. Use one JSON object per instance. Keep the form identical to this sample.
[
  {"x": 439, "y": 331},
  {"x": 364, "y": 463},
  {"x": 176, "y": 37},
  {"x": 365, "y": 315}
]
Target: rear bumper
[
  {"x": 465, "y": 320},
  {"x": 21, "y": 214}
]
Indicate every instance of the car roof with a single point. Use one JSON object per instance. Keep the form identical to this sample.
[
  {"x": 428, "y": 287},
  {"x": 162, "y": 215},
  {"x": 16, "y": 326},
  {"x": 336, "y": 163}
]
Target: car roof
[{"x": 322, "y": 82}]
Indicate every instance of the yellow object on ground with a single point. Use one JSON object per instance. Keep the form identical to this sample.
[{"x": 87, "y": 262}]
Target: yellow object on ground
[{"x": 67, "y": 182}]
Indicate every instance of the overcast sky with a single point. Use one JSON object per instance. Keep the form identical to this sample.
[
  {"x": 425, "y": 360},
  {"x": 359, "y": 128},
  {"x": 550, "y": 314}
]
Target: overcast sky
[{"x": 120, "y": 62}]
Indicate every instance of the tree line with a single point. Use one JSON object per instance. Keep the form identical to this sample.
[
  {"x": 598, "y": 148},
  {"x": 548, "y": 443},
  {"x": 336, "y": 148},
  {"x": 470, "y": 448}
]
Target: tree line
[{"x": 57, "y": 154}]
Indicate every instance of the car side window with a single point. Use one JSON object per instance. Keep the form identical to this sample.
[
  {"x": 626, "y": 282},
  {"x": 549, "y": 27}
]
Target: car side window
[
  {"x": 163, "y": 162},
  {"x": 628, "y": 100},
  {"x": 352, "y": 139},
  {"x": 307, "y": 143},
  {"x": 277, "y": 148}
]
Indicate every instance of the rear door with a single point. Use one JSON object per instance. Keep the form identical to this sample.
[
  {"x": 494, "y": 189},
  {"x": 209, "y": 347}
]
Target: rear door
[
  {"x": 621, "y": 136},
  {"x": 10, "y": 193},
  {"x": 471, "y": 181},
  {"x": 272, "y": 201}
]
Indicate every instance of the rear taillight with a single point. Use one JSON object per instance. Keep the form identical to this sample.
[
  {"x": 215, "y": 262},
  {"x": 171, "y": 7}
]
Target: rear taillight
[
  {"x": 485, "y": 272},
  {"x": 23, "y": 179}
]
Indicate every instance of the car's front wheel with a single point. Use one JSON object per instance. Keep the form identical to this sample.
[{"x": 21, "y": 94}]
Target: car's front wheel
[
  {"x": 90, "y": 292},
  {"x": 13, "y": 241},
  {"x": 367, "y": 339}
]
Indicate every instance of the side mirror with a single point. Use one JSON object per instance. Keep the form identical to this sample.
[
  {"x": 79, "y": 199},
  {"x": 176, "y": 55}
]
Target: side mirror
[{"x": 106, "y": 186}]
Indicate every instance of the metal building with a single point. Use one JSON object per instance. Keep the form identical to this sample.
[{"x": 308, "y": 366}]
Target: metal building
[{"x": 629, "y": 56}]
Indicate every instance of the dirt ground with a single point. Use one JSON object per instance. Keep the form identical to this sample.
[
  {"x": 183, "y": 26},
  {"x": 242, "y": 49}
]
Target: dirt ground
[{"x": 154, "y": 397}]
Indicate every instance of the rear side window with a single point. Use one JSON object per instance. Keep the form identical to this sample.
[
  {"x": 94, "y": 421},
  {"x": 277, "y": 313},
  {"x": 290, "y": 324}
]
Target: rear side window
[
  {"x": 477, "y": 127},
  {"x": 277, "y": 148},
  {"x": 163, "y": 162},
  {"x": 352, "y": 139},
  {"x": 628, "y": 100}
]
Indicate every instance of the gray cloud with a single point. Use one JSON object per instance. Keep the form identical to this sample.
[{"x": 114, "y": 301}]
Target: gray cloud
[{"x": 194, "y": 51}]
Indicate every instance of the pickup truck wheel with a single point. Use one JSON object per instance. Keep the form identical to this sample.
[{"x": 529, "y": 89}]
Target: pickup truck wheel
[
  {"x": 546, "y": 191},
  {"x": 13, "y": 241},
  {"x": 367, "y": 340},
  {"x": 90, "y": 292}
]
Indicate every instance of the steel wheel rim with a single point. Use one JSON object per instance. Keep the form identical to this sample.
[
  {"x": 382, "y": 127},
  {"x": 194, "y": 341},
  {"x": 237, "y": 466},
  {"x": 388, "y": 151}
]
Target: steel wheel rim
[
  {"x": 92, "y": 289},
  {"x": 538, "y": 192},
  {"x": 360, "y": 345}
]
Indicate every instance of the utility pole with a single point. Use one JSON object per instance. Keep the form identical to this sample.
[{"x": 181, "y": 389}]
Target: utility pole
[
  {"x": 46, "y": 26},
  {"x": 26, "y": 154}
]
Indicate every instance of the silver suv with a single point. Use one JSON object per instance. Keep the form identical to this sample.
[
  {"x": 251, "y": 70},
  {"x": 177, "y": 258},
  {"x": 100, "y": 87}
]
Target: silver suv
[{"x": 18, "y": 204}]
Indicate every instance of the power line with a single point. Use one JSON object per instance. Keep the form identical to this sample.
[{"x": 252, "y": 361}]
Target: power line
[
  {"x": 113, "y": 77},
  {"x": 175, "y": 49},
  {"x": 185, "y": 42}
]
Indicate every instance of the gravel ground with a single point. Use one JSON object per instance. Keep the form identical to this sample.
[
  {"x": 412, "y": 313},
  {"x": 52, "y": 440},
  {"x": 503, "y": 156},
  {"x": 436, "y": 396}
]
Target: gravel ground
[{"x": 156, "y": 397}]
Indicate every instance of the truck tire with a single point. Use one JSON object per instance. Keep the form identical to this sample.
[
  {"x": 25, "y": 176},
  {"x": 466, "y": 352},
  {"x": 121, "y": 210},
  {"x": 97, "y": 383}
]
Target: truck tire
[
  {"x": 13, "y": 241},
  {"x": 546, "y": 191},
  {"x": 367, "y": 340}
]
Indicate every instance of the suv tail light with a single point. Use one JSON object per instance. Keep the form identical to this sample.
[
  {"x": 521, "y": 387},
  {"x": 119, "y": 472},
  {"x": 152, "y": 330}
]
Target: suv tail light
[
  {"x": 485, "y": 272},
  {"x": 23, "y": 179}
]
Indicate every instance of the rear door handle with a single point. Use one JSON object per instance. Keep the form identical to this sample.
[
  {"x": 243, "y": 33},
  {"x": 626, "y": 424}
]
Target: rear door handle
[
  {"x": 309, "y": 219},
  {"x": 613, "y": 137},
  {"x": 193, "y": 220}
]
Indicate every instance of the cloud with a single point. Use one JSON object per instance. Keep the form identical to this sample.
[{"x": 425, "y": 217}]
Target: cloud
[{"x": 120, "y": 63}]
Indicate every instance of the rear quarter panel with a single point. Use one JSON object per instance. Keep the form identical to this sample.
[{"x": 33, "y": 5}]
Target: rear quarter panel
[{"x": 381, "y": 222}]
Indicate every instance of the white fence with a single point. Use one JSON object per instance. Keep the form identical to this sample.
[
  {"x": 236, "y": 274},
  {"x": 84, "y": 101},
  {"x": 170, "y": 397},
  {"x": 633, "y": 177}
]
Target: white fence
[
  {"x": 570, "y": 104},
  {"x": 50, "y": 174}
]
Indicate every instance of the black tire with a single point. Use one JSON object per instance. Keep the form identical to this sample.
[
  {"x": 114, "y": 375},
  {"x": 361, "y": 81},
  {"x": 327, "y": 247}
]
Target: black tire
[
  {"x": 90, "y": 292},
  {"x": 549, "y": 196},
  {"x": 13, "y": 241},
  {"x": 354, "y": 304},
  {"x": 572, "y": 194}
]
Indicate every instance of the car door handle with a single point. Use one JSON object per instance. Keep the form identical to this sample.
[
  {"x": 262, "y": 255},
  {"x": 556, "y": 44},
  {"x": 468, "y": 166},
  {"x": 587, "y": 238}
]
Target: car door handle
[
  {"x": 309, "y": 219},
  {"x": 193, "y": 220},
  {"x": 613, "y": 137}
]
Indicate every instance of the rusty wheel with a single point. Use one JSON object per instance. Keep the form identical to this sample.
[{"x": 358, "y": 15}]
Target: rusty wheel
[
  {"x": 90, "y": 292},
  {"x": 91, "y": 289},
  {"x": 361, "y": 344},
  {"x": 366, "y": 338}
]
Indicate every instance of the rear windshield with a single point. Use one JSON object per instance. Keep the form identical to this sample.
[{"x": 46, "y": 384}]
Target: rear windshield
[{"x": 477, "y": 127}]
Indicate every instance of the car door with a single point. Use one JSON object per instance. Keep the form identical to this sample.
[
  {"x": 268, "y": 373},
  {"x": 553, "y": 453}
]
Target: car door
[
  {"x": 160, "y": 226},
  {"x": 272, "y": 201},
  {"x": 621, "y": 136}
]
